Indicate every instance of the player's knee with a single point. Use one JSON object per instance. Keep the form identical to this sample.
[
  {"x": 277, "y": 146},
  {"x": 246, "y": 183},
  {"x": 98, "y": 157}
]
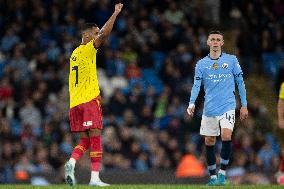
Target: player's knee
[
  {"x": 209, "y": 141},
  {"x": 84, "y": 134},
  {"x": 226, "y": 136},
  {"x": 95, "y": 132}
]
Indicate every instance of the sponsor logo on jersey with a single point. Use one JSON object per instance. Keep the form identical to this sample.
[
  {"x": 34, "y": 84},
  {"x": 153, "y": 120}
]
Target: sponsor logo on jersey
[
  {"x": 74, "y": 58},
  {"x": 215, "y": 66},
  {"x": 218, "y": 77},
  {"x": 87, "y": 123},
  {"x": 225, "y": 65}
]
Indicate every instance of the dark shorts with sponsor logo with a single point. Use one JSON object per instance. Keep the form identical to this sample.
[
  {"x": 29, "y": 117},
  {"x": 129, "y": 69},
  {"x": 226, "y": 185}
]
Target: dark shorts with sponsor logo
[{"x": 86, "y": 116}]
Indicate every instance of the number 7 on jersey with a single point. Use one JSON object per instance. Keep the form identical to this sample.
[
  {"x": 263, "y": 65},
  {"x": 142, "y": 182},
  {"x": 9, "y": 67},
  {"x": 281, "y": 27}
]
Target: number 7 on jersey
[{"x": 75, "y": 68}]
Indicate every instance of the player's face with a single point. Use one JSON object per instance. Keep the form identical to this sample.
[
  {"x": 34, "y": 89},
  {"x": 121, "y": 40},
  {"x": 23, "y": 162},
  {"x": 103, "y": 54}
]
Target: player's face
[
  {"x": 90, "y": 34},
  {"x": 94, "y": 32},
  {"x": 215, "y": 41}
]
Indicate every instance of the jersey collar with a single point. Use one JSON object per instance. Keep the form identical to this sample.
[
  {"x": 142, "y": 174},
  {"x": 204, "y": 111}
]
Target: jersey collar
[{"x": 215, "y": 58}]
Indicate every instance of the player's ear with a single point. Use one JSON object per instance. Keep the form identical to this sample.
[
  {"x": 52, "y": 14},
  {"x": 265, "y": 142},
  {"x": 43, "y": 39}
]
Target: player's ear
[
  {"x": 222, "y": 43},
  {"x": 84, "y": 33},
  {"x": 208, "y": 41}
]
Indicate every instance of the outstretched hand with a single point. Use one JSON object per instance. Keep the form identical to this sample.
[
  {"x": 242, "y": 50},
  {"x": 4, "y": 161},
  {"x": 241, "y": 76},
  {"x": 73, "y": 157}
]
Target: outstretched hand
[{"x": 118, "y": 8}]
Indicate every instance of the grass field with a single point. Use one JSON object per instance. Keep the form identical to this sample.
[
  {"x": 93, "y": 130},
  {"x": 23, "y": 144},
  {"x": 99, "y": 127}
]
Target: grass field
[{"x": 138, "y": 186}]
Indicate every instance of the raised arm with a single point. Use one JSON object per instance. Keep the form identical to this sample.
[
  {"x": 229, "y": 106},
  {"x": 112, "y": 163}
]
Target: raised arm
[
  {"x": 280, "y": 107},
  {"x": 106, "y": 29},
  {"x": 280, "y": 110}
]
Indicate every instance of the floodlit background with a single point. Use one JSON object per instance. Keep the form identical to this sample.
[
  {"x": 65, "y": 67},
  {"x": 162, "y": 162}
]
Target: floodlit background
[{"x": 146, "y": 72}]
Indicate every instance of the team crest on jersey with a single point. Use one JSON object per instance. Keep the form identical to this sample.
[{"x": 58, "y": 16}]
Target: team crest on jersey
[
  {"x": 225, "y": 65},
  {"x": 215, "y": 66}
]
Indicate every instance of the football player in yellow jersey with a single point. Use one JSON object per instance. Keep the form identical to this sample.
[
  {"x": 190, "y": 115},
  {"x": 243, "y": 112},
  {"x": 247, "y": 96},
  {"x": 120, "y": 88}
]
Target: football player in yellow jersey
[
  {"x": 280, "y": 108},
  {"x": 85, "y": 110}
]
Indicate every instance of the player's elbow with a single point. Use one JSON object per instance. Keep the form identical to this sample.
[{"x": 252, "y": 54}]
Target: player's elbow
[
  {"x": 196, "y": 86},
  {"x": 104, "y": 33}
]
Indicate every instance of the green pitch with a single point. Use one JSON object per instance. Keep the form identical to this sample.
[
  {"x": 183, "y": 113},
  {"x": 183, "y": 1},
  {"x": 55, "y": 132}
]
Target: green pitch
[{"x": 137, "y": 186}]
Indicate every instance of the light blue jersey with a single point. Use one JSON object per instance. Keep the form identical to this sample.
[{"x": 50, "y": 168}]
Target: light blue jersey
[{"x": 219, "y": 77}]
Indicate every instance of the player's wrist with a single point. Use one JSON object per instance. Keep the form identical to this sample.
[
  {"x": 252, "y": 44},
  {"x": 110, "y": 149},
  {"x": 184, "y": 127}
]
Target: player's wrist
[
  {"x": 191, "y": 105},
  {"x": 115, "y": 14}
]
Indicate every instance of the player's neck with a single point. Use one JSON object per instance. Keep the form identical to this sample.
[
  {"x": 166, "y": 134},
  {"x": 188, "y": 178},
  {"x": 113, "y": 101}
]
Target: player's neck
[
  {"x": 215, "y": 54},
  {"x": 84, "y": 41}
]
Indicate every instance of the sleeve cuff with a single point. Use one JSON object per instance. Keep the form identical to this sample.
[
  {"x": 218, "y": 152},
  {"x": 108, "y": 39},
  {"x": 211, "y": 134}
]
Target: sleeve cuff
[{"x": 190, "y": 105}]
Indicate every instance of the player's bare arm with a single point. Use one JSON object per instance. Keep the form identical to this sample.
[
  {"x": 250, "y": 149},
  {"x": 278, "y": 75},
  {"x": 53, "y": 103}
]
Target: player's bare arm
[
  {"x": 107, "y": 28},
  {"x": 280, "y": 109}
]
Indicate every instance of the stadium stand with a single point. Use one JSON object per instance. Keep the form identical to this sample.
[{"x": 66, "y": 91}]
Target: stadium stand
[{"x": 145, "y": 73}]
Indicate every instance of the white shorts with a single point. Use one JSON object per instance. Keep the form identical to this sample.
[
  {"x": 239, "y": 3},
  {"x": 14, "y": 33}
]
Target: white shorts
[{"x": 210, "y": 126}]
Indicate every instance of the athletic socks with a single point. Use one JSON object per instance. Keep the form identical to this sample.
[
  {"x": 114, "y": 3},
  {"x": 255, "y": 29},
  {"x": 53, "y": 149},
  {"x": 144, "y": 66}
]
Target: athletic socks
[
  {"x": 225, "y": 155},
  {"x": 79, "y": 150},
  {"x": 211, "y": 160},
  {"x": 96, "y": 152}
]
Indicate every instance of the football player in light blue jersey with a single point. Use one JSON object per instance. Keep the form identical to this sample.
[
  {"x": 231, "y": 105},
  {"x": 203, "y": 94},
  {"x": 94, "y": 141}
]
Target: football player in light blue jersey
[{"x": 219, "y": 72}]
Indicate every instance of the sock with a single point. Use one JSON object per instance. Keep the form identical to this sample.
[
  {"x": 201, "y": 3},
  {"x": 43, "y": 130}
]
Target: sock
[
  {"x": 213, "y": 176},
  {"x": 225, "y": 155},
  {"x": 223, "y": 172},
  {"x": 211, "y": 160},
  {"x": 96, "y": 153},
  {"x": 72, "y": 161},
  {"x": 79, "y": 150},
  {"x": 95, "y": 176}
]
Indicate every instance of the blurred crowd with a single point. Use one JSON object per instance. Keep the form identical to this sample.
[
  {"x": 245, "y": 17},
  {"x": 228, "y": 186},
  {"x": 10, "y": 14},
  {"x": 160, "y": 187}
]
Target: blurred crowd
[{"x": 145, "y": 73}]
